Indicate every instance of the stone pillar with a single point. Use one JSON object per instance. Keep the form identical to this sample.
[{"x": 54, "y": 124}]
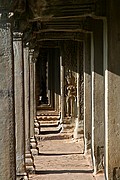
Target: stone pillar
[
  {"x": 79, "y": 59},
  {"x": 31, "y": 94},
  {"x": 97, "y": 96},
  {"x": 36, "y": 123},
  {"x": 112, "y": 91},
  {"x": 50, "y": 77},
  {"x": 7, "y": 116},
  {"x": 57, "y": 80},
  {"x": 77, "y": 120},
  {"x": 19, "y": 105},
  {"x": 33, "y": 142},
  {"x": 62, "y": 88},
  {"x": 34, "y": 89},
  {"x": 87, "y": 94},
  {"x": 28, "y": 156},
  {"x": 26, "y": 98}
]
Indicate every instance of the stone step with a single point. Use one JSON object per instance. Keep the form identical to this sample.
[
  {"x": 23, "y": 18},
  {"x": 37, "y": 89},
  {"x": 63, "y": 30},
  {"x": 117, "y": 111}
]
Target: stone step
[
  {"x": 49, "y": 124},
  {"x": 60, "y": 136},
  {"x": 51, "y": 127},
  {"x": 46, "y": 118},
  {"x": 46, "y": 131},
  {"x": 48, "y": 113}
]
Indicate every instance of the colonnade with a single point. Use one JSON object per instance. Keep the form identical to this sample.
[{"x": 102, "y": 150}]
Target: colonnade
[
  {"x": 101, "y": 93},
  {"x": 17, "y": 105},
  {"x": 101, "y": 71},
  {"x": 101, "y": 99}
]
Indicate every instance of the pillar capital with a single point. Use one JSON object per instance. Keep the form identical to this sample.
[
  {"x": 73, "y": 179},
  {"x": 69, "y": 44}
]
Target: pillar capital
[
  {"x": 17, "y": 36},
  {"x": 5, "y": 15},
  {"x": 31, "y": 51},
  {"x": 26, "y": 44},
  {"x": 34, "y": 59},
  {"x": 4, "y": 22},
  {"x": 33, "y": 54}
]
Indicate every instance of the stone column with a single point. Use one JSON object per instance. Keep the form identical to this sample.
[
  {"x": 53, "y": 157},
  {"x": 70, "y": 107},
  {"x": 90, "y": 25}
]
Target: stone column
[
  {"x": 57, "y": 80},
  {"x": 29, "y": 162},
  {"x": 34, "y": 89},
  {"x": 79, "y": 59},
  {"x": 31, "y": 94},
  {"x": 19, "y": 105},
  {"x": 87, "y": 94},
  {"x": 36, "y": 123},
  {"x": 7, "y": 116},
  {"x": 50, "y": 77},
  {"x": 112, "y": 91},
  {"x": 77, "y": 119},
  {"x": 33, "y": 142},
  {"x": 97, "y": 96},
  {"x": 26, "y": 98},
  {"x": 62, "y": 88}
]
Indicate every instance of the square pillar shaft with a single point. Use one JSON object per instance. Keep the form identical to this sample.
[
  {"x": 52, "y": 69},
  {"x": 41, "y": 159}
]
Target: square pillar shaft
[
  {"x": 26, "y": 99},
  {"x": 112, "y": 91},
  {"x": 62, "y": 87},
  {"x": 34, "y": 89},
  {"x": 97, "y": 97},
  {"x": 57, "y": 80},
  {"x": 79, "y": 89},
  {"x": 19, "y": 102},
  {"x": 33, "y": 142},
  {"x": 87, "y": 94},
  {"x": 79, "y": 62},
  {"x": 7, "y": 114},
  {"x": 29, "y": 161},
  {"x": 31, "y": 93}
]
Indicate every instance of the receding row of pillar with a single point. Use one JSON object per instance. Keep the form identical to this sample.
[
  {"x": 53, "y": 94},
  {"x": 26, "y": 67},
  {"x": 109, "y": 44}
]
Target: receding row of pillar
[
  {"x": 101, "y": 98},
  {"x": 101, "y": 69},
  {"x": 17, "y": 105}
]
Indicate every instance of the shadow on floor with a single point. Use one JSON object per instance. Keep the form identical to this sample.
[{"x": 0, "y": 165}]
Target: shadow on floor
[
  {"x": 50, "y": 132},
  {"x": 55, "y": 154},
  {"x": 63, "y": 171}
]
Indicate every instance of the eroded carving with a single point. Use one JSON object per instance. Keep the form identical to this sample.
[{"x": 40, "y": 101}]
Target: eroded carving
[
  {"x": 100, "y": 157},
  {"x": 116, "y": 173}
]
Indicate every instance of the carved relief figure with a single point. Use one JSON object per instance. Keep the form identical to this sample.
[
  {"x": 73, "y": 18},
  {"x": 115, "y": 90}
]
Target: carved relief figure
[{"x": 71, "y": 93}]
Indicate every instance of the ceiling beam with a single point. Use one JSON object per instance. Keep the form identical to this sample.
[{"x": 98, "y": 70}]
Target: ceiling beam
[
  {"x": 61, "y": 36},
  {"x": 83, "y": 25},
  {"x": 62, "y": 30},
  {"x": 53, "y": 18}
]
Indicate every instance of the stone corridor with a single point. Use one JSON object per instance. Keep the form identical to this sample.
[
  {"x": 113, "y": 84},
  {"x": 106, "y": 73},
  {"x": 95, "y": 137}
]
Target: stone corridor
[
  {"x": 61, "y": 157},
  {"x": 59, "y": 89}
]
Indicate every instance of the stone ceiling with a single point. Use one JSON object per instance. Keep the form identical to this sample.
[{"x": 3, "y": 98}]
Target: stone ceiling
[{"x": 39, "y": 19}]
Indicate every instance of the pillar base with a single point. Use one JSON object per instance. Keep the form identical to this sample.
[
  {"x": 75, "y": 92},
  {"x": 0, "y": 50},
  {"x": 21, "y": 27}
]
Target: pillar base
[
  {"x": 29, "y": 163},
  {"x": 61, "y": 120},
  {"x": 23, "y": 176},
  {"x": 37, "y": 127},
  {"x": 34, "y": 148},
  {"x": 75, "y": 134},
  {"x": 61, "y": 124}
]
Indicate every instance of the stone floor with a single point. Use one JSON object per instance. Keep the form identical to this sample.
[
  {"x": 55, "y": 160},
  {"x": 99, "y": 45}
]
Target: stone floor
[{"x": 62, "y": 159}]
